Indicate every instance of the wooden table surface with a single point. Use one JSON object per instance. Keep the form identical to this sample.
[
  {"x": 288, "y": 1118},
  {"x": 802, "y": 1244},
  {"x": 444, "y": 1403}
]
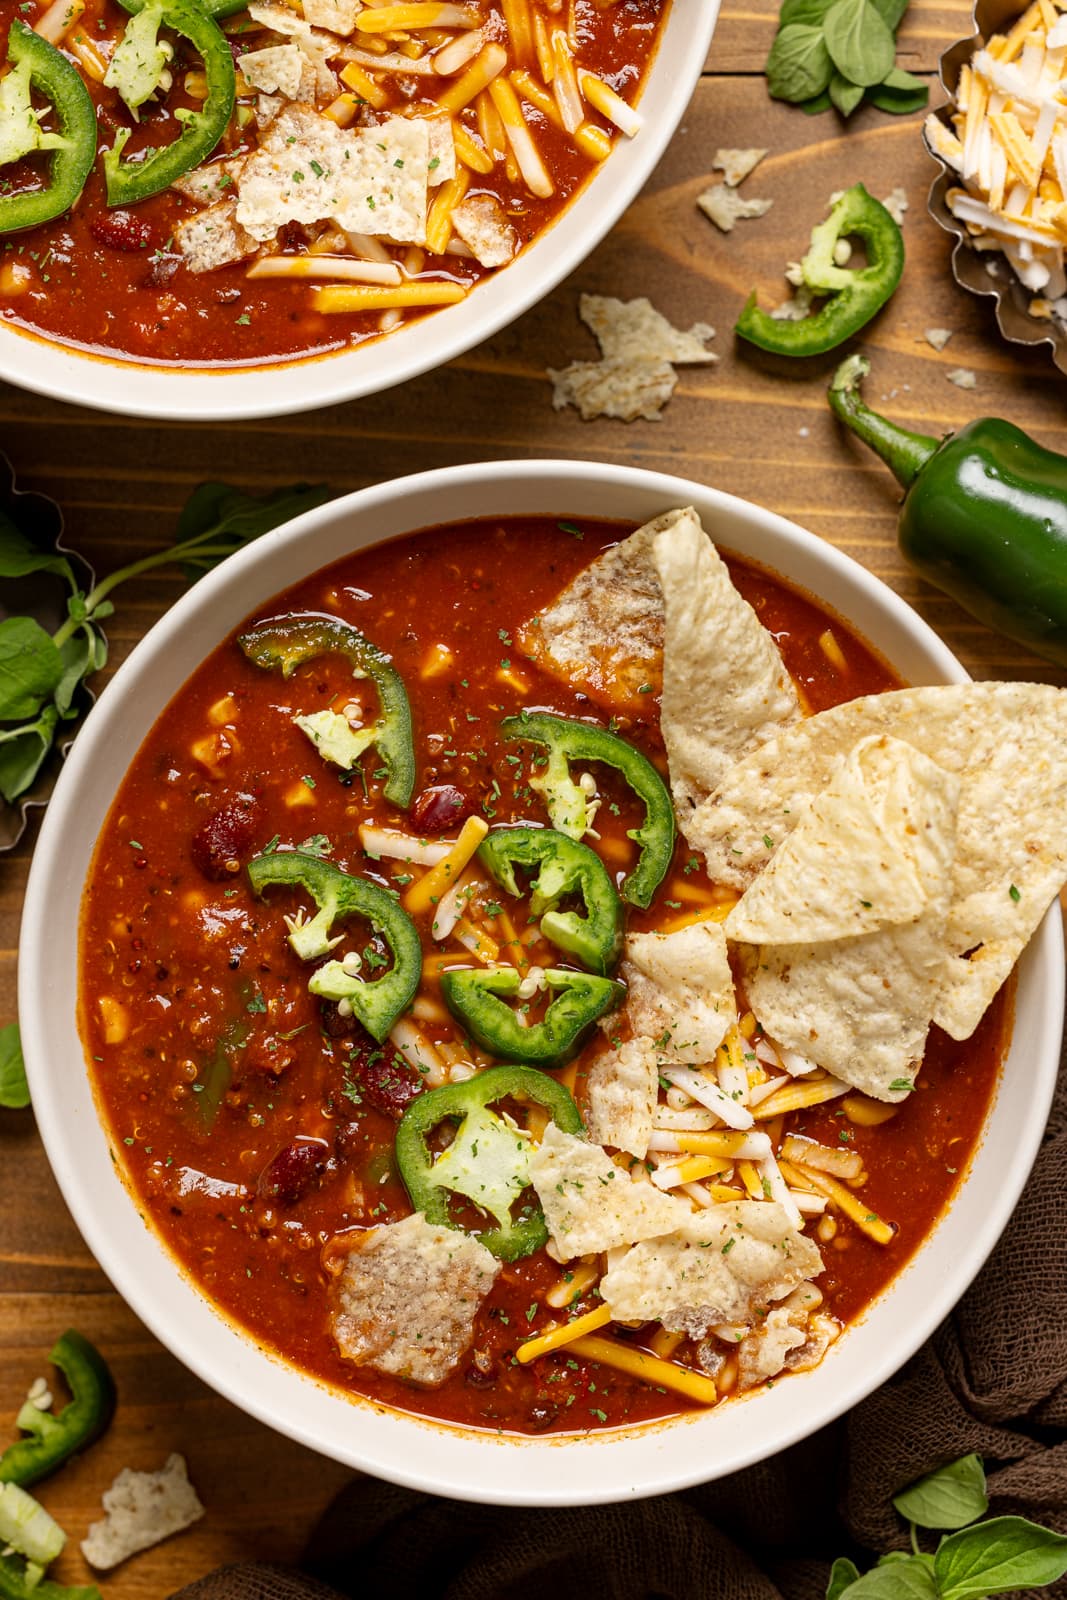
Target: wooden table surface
[{"x": 745, "y": 425}]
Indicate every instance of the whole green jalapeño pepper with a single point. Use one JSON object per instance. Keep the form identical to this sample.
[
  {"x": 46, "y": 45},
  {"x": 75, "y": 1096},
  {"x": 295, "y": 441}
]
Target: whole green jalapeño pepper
[
  {"x": 855, "y": 294},
  {"x": 287, "y": 642},
  {"x": 488, "y": 1161},
  {"x": 377, "y": 1003},
  {"x": 51, "y": 1439},
  {"x": 36, "y": 64},
  {"x": 134, "y": 180},
  {"x": 568, "y": 804},
  {"x": 478, "y": 999},
  {"x": 564, "y": 867},
  {"x": 984, "y": 515}
]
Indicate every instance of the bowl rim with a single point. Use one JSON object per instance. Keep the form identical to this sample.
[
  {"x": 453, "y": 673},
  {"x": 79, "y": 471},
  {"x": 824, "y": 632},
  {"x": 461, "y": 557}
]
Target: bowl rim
[
  {"x": 32, "y": 361},
  {"x": 421, "y": 1454}
]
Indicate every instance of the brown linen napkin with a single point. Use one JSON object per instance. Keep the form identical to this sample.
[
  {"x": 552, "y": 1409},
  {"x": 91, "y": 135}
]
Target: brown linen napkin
[{"x": 992, "y": 1379}]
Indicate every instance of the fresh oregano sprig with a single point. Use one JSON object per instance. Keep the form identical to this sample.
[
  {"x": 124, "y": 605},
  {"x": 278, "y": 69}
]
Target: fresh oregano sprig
[
  {"x": 974, "y": 1559},
  {"x": 840, "y": 53},
  {"x": 40, "y": 672}
]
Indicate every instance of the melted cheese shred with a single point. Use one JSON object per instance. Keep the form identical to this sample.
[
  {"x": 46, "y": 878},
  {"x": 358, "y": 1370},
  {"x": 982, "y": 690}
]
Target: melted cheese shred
[
  {"x": 565, "y": 1334},
  {"x": 649, "y": 1368}
]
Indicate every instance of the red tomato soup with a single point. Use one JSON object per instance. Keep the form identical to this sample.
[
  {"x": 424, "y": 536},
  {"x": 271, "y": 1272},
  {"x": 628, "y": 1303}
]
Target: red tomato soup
[
  {"x": 343, "y": 166},
  {"x": 255, "y": 1123}
]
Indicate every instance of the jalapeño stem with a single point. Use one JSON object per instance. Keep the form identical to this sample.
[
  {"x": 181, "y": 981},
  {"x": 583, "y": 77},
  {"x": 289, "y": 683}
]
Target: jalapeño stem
[{"x": 904, "y": 453}]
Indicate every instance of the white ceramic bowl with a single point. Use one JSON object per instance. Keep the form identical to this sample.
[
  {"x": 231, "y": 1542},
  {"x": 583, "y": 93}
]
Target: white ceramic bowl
[
  {"x": 433, "y": 1457},
  {"x": 205, "y": 395}
]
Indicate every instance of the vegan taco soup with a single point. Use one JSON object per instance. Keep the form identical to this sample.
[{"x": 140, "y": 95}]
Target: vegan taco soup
[
  {"x": 546, "y": 976},
  {"x": 211, "y": 182}
]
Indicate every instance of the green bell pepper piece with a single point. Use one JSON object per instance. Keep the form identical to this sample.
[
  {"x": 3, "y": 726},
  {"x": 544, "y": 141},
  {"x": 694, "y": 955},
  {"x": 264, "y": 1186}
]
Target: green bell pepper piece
[
  {"x": 39, "y": 65},
  {"x": 52, "y": 1439},
  {"x": 855, "y": 295},
  {"x": 568, "y": 741},
  {"x": 285, "y": 643},
  {"x": 214, "y": 8},
  {"x": 566, "y": 867},
  {"x": 338, "y": 895},
  {"x": 22, "y": 1580},
  {"x": 984, "y": 516},
  {"x": 473, "y": 997},
  {"x": 131, "y": 181},
  {"x": 488, "y": 1161}
]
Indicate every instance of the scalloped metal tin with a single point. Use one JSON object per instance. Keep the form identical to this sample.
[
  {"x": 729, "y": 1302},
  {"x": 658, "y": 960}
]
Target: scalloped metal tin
[
  {"x": 1010, "y": 298},
  {"x": 43, "y": 598}
]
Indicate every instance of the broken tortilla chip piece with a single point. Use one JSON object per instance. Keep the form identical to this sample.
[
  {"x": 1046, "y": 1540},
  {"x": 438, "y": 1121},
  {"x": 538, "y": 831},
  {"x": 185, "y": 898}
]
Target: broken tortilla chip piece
[
  {"x": 591, "y": 1204},
  {"x": 725, "y": 687},
  {"x": 142, "y": 1509},
  {"x": 735, "y": 165},
  {"x": 680, "y": 1002},
  {"x": 1005, "y": 743},
  {"x": 634, "y": 377},
  {"x": 633, "y": 330},
  {"x": 870, "y": 851},
  {"x": 723, "y": 1265},
  {"x": 624, "y": 390}
]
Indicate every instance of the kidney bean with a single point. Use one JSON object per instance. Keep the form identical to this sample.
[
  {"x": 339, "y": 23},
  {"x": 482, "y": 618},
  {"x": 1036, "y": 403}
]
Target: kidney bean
[
  {"x": 381, "y": 1076},
  {"x": 121, "y": 230},
  {"x": 217, "y": 846},
  {"x": 295, "y": 1169},
  {"x": 437, "y": 809}
]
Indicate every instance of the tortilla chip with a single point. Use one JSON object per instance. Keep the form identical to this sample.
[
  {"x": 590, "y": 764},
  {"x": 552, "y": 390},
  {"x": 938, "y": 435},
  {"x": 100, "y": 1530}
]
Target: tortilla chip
[
  {"x": 860, "y": 1007},
  {"x": 725, "y": 207},
  {"x": 141, "y": 1509},
  {"x": 633, "y": 330},
  {"x": 622, "y": 1088},
  {"x": 870, "y": 852},
  {"x": 724, "y": 1264},
  {"x": 681, "y": 991},
  {"x": 735, "y": 165},
  {"x": 590, "y": 1204},
  {"x": 725, "y": 689},
  {"x": 604, "y": 633},
  {"x": 1006, "y": 744},
  {"x": 624, "y": 390},
  {"x": 679, "y": 1005}
]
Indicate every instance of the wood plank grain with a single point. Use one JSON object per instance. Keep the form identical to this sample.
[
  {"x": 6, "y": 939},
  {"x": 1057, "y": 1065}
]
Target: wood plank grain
[{"x": 751, "y": 425}]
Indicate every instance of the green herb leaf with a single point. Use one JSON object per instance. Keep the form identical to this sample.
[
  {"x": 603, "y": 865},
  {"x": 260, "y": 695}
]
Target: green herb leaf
[
  {"x": 22, "y": 752},
  {"x": 891, "y": 12},
  {"x": 998, "y": 1556},
  {"x": 817, "y": 103},
  {"x": 811, "y": 12},
  {"x": 14, "y": 1090},
  {"x": 217, "y": 520},
  {"x": 843, "y": 1574},
  {"x": 30, "y": 668},
  {"x": 859, "y": 43},
  {"x": 846, "y": 96},
  {"x": 909, "y": 1579},
  {"x": 948, "y": 1498},
  {"x": 898, "y": 102},
  {"x": 899, "y": 79},
  {"x": 799, "y": 64},
  {"x": 85, "y": 653},
  {"x": 19, "y": 556}
]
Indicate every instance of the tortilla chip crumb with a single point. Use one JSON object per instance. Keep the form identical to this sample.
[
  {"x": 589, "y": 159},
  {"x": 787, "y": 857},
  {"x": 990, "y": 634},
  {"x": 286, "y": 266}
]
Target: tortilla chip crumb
[
  {"x": 896, "y": 203},
  {"x": 624, "y": 390},
  {"x": 724, "y": 207},
  {"x": 635, "y": 377},
  {"x": 143, "y": 1509},
  {"x": 938, "y": 338},
  {"x": 796, "y": 308},
  {"x": 962, "y": 377},
  {"x": 735, "y": 165}
]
